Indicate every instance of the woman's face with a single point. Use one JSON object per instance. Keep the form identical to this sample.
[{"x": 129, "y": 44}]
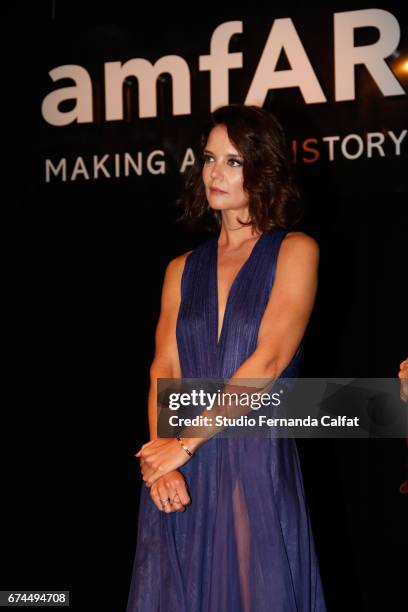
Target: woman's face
[{"x": 223, "y": 175}]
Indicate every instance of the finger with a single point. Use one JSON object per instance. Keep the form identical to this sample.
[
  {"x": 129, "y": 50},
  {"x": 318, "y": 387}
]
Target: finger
[
  {"x": 145, "y": 453},
  {"x": 165, "y": 498},
  {"x": 145, "y": 469},
  {"x": 170, "y": 487},
  {"x": 176, "y": 503},
  {"x": 182, "y": 494},
  {"x": 143, "y": 446},
  {"x": 155, "y": 496},
  {"x": 147, "y": 474},
  {"x": 177, "y": 506},
  {"x": 150, "y": 467},
  {"x": 152, "y": 473},
  {"x": 153, "y": 476}
]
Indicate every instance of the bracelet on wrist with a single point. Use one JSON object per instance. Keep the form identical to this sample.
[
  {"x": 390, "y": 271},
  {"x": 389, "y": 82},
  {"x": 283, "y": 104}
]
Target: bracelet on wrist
[{"x": 188, "y": 451}]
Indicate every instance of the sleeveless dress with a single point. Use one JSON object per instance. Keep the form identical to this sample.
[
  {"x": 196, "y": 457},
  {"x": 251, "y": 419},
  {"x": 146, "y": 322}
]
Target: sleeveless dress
[{"x": 245, "y": 543}]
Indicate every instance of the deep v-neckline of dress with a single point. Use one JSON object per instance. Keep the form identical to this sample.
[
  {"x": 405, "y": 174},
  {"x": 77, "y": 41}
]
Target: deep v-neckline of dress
[{"x": 232, "y": 289}]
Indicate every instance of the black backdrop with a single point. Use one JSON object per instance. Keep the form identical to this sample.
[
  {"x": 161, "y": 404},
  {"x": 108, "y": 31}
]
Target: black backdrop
[{"x": 89, "y": 258}]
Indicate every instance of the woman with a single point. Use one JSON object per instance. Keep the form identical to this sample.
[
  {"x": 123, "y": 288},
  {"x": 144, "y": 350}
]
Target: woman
[{"x": 223, "y": 522}]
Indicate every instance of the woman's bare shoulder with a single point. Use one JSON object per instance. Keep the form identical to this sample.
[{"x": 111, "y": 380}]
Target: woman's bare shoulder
[
  {"x": 296, "y": 239},
  {"x": 298, "y": 255},
  {"x": 300, "y": 244},
  {"x": 174, "y": 272},
  {"x": 176, "y": 265}
]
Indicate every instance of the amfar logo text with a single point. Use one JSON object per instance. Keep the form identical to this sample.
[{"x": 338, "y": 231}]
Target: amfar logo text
[{"x": 283, "y": 36}]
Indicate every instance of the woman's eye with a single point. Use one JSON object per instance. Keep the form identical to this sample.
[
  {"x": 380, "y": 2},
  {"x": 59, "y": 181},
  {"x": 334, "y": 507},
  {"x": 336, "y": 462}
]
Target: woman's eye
[{"x": 235, "y": 163}]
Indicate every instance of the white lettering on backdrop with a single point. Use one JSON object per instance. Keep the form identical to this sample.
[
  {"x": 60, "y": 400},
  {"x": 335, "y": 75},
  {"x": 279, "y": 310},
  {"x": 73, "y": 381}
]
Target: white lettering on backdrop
[
  {"x": 283, "y": 36},
  {"x": 307, "y": 151}
]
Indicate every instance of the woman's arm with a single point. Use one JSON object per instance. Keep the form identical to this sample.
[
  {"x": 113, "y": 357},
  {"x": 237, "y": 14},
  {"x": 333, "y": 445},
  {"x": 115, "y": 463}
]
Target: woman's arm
[
  {"x": 283, "y": 324},
  {"x": 166, "y": 362},
  {"x": 289, "y": 308},
  {"x": 169, "y": 492}
]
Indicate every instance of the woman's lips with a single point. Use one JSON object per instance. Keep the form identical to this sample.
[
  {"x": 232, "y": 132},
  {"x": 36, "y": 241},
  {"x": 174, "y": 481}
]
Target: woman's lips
[{"x": 215, "y": 190}]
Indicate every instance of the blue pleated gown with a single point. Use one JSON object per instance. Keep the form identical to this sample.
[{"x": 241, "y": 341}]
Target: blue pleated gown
[{"x": 245, "y": 543}]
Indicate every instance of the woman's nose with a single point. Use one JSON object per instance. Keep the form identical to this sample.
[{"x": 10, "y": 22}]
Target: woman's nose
[{"x": 215, "y": 170}]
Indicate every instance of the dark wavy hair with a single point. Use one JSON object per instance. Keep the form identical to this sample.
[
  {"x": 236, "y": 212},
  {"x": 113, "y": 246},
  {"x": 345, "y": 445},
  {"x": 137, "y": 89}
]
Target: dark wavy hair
[{"x": 274, "y": 199}]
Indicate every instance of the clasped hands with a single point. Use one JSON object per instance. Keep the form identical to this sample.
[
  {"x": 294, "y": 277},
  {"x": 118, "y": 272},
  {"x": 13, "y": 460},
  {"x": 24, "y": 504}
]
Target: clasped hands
[{"x": 159, "y": 460}]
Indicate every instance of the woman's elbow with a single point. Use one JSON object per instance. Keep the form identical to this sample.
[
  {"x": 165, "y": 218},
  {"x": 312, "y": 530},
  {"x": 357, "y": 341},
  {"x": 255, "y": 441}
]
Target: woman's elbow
[
  {"x": 162, "y": 369},
  {"x": 273, "y": 367}
]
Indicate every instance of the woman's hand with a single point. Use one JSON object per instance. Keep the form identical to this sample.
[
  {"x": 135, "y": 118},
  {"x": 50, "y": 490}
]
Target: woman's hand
[
  {"x": 159, "y": 457},
  {"x": 169, "y": 493}
]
